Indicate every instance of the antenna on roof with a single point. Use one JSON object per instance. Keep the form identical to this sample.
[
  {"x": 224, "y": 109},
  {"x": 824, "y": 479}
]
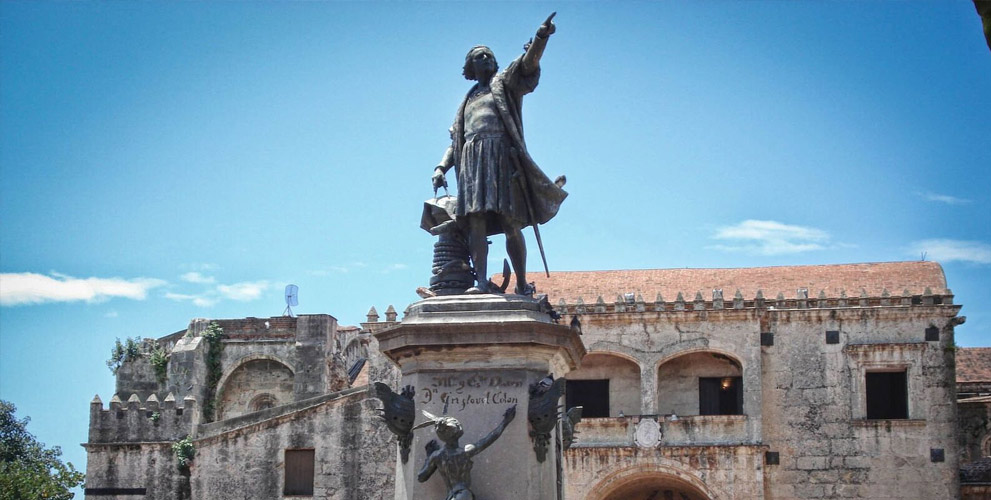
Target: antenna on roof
[{"x": 292, "y": 299}]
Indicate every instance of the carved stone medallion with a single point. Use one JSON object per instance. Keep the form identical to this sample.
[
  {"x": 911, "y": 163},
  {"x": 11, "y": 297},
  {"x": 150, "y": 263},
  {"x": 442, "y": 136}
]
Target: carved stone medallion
[{"x": 648, "y": 433}]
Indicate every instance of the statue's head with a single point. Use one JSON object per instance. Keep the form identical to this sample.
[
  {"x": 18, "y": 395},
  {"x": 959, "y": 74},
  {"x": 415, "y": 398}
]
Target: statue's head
[
  {"x": 478, "y": 58},
  {"x": 449, "y": 429}
]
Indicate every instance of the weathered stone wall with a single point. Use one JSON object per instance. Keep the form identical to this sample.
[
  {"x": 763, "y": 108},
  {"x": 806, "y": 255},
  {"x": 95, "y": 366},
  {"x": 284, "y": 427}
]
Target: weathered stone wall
[
  {"x": 719, "y": 472},
  {"x": 258, "y": 378},
  {"x": 137, "y": 377},
  {"x": 130, "y": 448},
  {"x": 146, "y": 470},
  {"x": 655, "y": 339},
  {"x": 354, "y": 453},
  {"x": 804, "y": 398},
  {"x": 815, "y": 404},
  {"x": 974, "y": 429}
]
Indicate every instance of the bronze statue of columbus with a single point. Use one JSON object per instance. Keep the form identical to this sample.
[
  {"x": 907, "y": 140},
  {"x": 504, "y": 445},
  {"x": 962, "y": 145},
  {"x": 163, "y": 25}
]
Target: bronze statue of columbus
[{"x": 500, "y": 188}]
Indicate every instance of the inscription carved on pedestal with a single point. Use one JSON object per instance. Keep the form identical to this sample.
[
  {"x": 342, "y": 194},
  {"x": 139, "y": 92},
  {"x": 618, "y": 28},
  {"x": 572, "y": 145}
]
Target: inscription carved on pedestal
[{"x": 460, "y": 391}]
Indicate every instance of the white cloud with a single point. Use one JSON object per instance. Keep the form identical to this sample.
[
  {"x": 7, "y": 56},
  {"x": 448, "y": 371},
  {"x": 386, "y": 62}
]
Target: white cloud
[
  {"x": 199, "y": 266},
  {"x": 944, "y": 250},
  {"x": 341, "y": 268},
  {"x": 195, "y": 277},
  {"x": 393, "y": 267},
  {"x": 768, "y": 237},
  {"x": 204, "y": 300},
  {"x": 944, "y": 198},
  {"x": 244, "y": 291},
  {"x": 32, "y": 288},
  {"x": 110, "y": 314}
]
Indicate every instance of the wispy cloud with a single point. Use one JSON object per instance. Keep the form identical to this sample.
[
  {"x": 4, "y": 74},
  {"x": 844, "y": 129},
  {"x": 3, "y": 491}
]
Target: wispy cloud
[
  {"x": 110, "y": 314},
  {"x": 202, "y": 300},
  {"x": 945, "y": 250},
  {"x": 32, "y": 288},
  {"x": 944, "y": 198},
  {"x": 195, "y": 277},
  {"x": 244, "y": 291},
  {"x": 768, "y": 237},
  {"x": 199, "y": 266},
  {"x": 393, "y": 267},
  {"x": 339, "y": 269}
]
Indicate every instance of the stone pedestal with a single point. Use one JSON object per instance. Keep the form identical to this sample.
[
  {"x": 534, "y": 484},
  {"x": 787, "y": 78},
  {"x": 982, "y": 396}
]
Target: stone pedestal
[{"x": 471, "y": 357}]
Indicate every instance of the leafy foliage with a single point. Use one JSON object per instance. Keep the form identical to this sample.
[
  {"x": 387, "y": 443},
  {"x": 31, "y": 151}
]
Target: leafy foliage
[
  {"x": 27, "y": 469},
  {"x": 213, "y": 335},
  {"x": 160, "y": 362},
  {"x": 184, "y": 452},
  {"x": 129, "y": 350}
]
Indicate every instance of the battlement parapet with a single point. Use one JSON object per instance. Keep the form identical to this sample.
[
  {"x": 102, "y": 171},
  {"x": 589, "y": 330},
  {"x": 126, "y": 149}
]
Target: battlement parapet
[
  {"x": 136, "y": 421},
  {"x": 633, "y": 302}
]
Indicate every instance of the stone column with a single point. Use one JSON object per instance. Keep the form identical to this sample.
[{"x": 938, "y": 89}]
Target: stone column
[
  {"x": 471, "y": 357},
  {"x": 648, "y": 386}
]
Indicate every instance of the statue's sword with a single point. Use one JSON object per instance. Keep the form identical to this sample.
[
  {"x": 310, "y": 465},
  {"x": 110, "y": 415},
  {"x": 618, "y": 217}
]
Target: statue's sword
[{"x": 521, "y": 178}]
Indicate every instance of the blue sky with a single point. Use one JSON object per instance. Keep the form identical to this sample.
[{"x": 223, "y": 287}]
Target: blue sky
[{"x": 160, "y": 162}]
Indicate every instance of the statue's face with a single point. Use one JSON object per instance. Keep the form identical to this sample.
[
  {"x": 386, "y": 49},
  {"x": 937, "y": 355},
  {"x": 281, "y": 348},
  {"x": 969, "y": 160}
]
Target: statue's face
[
  {"x": 483, "y": 61},
  {"x": 449, "y": 430}
]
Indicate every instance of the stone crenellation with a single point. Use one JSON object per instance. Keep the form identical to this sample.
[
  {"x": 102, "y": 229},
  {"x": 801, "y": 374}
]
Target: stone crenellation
[
  {"x": 135, "y": 421},
  {"x": 800, "y": 300}
]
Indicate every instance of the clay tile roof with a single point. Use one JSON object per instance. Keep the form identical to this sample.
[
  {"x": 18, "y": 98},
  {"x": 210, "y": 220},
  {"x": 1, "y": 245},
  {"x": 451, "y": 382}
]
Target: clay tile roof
[
  {"x": 973, "y": 364},
  {"x": 873, "y": 277}
]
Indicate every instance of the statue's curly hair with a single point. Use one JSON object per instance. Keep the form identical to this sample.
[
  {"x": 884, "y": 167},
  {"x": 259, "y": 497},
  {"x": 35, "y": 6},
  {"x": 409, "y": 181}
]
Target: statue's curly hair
[{"x": 469, "y": 69}]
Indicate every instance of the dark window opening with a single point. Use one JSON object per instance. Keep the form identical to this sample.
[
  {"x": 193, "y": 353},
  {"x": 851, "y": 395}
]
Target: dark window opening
[
  {"x": 887, "y": 395},
  {"x": 720, "y": 395},
  {"x": 299, "y": 472},
  {"x": 591, "y": 395}
]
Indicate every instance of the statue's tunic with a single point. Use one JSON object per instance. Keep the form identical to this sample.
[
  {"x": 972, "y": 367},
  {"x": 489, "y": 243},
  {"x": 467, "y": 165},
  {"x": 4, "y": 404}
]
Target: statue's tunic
[{"x": 488, "y": 149}]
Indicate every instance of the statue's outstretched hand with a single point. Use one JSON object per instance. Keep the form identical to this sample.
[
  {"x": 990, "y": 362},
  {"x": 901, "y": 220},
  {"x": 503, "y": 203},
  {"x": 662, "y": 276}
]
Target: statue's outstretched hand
[
  {"x": 510, "y": 414},
  {"x": 547, "y": 29},
  {"x": 439, "y": 179}
]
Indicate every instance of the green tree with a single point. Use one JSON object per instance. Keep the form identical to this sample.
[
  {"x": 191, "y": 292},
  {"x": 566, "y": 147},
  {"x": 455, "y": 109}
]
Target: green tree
[{"x": 29, "y": 471}]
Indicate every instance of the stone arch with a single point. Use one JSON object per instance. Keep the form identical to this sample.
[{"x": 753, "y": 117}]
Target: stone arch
[
  {"x": 353, "y": 351},
  {"x": 696, "y": 349},
  {"x": 262, "y": 401},
  {"x": 622, "y": 372},
  {"x": 629, "y": 481},
  {"x": 683, "y": 375},
  {"x": 254, "y": 382},
  {"x": 986, "y": 446}
]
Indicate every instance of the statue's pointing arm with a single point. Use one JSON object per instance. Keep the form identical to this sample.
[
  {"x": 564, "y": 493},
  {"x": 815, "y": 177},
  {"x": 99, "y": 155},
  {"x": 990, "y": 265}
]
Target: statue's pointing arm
[{"x": 535, "y": 49}]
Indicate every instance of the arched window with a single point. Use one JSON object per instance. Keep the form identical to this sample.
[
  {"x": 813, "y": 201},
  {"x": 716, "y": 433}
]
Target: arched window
[
  {"x": 606, "y": 385},
  {"x": 262, "y": 402},
  {"x": 700, "y": 383}
]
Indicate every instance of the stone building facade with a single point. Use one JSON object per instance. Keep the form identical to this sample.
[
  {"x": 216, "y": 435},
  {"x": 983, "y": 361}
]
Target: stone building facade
[
  {"x": 974, "y": 409},
  {"x": 776, "y": 383}
]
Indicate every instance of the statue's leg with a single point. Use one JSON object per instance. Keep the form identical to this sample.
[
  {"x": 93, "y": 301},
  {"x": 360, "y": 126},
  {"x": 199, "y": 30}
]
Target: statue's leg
[
  {"x": 478, "y": 245},
  {"x": 516, "y": 248}
]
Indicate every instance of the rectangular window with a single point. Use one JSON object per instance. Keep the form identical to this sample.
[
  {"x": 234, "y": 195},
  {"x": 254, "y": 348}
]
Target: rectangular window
[
  {"x": 299, "y": 472},
  {"x": 720, "y": 395},
  {"x": 887, "y": 395},
  {"x": 591, "y": 395}
]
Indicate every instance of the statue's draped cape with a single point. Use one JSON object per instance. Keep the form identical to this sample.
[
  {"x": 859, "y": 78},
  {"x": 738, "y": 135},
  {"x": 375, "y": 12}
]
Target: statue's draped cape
[{"x": 508, "y": 89}]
